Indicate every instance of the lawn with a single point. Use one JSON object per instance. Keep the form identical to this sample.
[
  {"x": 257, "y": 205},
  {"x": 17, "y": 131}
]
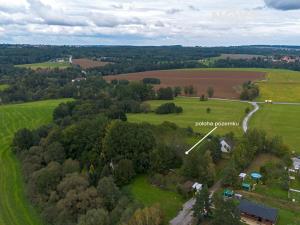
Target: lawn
[
  {"x": 3, "y": 87},
  {"x": 46, "y": 65},
  {"x": 170, "y": 202},
  {"x": 281, "y": 120},
  {"x": 14, "y": 207},
  {"x": 195, "y": 111}
]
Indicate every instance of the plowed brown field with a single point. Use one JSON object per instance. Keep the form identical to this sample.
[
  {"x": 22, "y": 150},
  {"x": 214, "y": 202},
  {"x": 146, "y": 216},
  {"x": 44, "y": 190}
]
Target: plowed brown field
[
  {"x": 88, "y": 63},
  {"x": 226, "y": 84}
]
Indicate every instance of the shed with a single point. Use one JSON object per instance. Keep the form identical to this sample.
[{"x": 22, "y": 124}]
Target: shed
[
  {"x": 258, "y": 212},
  {"x": 246, "y": 186},
  {"x": 242, "y": 175},
  {"x": 228, "y": 193},
  {"x": 296, "y": 163}
]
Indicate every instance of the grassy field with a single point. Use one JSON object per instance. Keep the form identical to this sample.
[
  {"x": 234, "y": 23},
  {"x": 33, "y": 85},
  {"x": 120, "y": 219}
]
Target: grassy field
[
  {"x": 281, "y": 120},
  {"x": 3, "y": 87},
  {"x": 14, "y": 208},
  {"x": 46, "y": 65},
  {"x": 195, "y": 111},
  {"x": 170, "y": 202}
]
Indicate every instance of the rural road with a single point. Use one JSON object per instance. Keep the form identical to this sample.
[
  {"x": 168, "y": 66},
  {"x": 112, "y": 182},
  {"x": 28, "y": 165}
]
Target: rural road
[
  {"x": 185, "y": 216},
  {"x": 247, "y": 118}
]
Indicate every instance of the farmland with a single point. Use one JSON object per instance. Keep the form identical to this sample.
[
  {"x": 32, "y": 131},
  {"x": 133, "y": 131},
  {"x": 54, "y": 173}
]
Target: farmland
[
  {"x": 279, "y": 85},
  {"x": 46, "y": 65},
  {"x": 195, "y": 111},
  {"x": 225, "y": 83},
  {"x": 273, "y": 119},
  {"x": 88, "y": 63},
  {"x": 14, "y": 207}
]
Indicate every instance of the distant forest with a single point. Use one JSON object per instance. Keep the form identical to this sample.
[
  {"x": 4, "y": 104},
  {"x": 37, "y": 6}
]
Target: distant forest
[{"x": 30, "y": 85}]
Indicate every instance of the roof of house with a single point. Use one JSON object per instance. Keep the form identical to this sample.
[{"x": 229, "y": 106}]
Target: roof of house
[
  {"x": 258, "y": 210},
  {"x": 229, "y": 142},
  {"x": 197, "y": 186},
  {"x": 296, "y": 163}
]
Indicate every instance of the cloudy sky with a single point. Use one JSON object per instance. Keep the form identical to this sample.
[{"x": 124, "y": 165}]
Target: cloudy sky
[{"x": 155, "y": 22}]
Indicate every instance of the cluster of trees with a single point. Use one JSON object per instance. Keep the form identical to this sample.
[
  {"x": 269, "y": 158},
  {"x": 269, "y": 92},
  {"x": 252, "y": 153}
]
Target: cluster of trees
[
  {"x": 74, "y": 168},
  {"x": 253, "y": 143},
  {"x": 151, "y": 80},
  {"x": 250, "y": 91},
  {"x": 168, "y": 108},
  {"x": 224, "y": 211},
  {"x": 275, "y": 174}
]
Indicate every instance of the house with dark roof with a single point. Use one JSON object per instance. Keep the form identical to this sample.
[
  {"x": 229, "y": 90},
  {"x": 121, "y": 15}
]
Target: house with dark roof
[{"x": 260, "y": 214}]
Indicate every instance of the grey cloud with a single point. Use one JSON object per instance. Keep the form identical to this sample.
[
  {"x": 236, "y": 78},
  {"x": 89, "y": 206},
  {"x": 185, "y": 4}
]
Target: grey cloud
[
  {"x": 193, "y": 8},
  {"x": 173, "y": 11},
  {"x": 106, "y": 20},
  {"x": 283, "y": 4},
  {"x": 159, "y": 24}
]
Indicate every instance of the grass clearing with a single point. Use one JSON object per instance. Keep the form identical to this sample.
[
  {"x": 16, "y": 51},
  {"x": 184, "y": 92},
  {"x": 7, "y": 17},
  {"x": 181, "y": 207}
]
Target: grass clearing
[
  {"x": 261, "y": 160},
  {"x": 3, "y": 87},
  {"x": 195, "y": 111},
  {"x": 143, "y": 191},
  {"x": 14, "y": 207},
  {"x": 281, "y": 120},
  {"x": 46, "y": 65}
]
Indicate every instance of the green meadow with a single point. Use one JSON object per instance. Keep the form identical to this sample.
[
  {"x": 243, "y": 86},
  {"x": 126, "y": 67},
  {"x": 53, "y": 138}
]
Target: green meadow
[
  {"x": 170, "y": 202},
  {"x": 195, "y": 111},
  {"x": 46, "y": 65},
  {"x": 281, "y": 120},
  {"x": 3, "y": 87},
  {"x": 14, "y": 207}
]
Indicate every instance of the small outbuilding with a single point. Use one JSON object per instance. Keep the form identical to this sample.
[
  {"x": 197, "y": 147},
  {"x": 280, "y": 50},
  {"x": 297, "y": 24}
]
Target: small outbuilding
[
  {"x": 296, "y": 163},
  {"x": 246, "y": 186},
  {"x": 257, "y": 213},
  {"x": 197, "y": 187},
  {"x": 228, "y": 193},
  {"x": 242, "y": 176}
]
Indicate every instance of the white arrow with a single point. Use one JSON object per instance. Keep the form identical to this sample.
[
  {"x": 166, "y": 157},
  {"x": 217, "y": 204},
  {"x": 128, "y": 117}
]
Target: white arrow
[{"x": 187, "y": 152}]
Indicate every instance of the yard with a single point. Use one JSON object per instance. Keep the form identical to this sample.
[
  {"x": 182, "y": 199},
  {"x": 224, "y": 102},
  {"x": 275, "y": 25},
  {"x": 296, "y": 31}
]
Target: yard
[
  {"x": 143, "y": 191},
  {"x": 272, "y": 195},
  {"x": 3, "y": 87}
]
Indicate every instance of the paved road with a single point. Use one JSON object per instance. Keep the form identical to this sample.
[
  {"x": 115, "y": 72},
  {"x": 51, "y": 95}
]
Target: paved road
[
  {"x": 185, "y": 216},
  {"x": 247, "y": 118}
]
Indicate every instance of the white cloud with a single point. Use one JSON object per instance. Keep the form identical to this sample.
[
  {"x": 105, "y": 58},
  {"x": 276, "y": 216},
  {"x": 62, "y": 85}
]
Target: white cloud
[{"x": 189, "y": 22}]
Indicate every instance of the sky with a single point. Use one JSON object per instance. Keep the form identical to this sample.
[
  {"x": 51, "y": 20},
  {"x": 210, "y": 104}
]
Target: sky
[{"x": 156, "y": 22}]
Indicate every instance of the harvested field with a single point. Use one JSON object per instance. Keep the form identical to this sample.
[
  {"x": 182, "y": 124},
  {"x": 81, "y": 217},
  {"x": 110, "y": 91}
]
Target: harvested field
[
  {"x": 226, "y": 84},
  {"x": 88, "y": 63}
]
